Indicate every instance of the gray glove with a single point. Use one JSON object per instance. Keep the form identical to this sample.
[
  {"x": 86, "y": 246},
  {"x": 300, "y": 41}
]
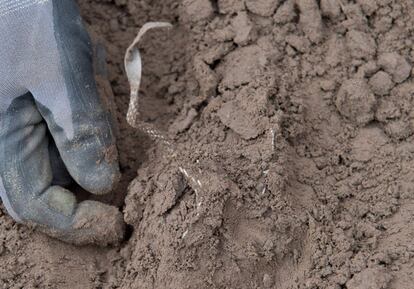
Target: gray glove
[{"x": 48, "y": 95}]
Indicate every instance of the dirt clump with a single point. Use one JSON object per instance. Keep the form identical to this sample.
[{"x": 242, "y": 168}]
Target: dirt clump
[
  {"x": 381, "y": 83},
  {"x": 356, "y": 101},
  {"x": 293, "y": 164},
  {"x": 396, "y": 65}
]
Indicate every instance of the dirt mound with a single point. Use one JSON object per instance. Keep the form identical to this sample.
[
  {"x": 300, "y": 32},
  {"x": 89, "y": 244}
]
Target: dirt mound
[{"x": 293, "y": 167}]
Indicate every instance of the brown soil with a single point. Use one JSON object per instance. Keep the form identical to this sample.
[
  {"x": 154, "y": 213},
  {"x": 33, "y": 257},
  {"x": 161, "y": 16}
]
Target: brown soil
[{"x": 295, "y": 116}]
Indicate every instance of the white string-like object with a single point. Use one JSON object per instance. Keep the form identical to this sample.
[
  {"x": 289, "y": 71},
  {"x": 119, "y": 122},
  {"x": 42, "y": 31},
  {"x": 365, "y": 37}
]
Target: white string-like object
[{"x": 133, "y": 68}]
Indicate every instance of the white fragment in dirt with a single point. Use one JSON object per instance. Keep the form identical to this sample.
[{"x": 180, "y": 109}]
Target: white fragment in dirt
[
  {"x": 265, "y": 172},
  {"x": 184, "y": 234},
  {"x": 188, "y": 176},
  {"x": 264, "y": 191},
  {"x": 198, "y": 208},
  {"x": 272, "y": 131},
  {"x": 197, "y": 201}
]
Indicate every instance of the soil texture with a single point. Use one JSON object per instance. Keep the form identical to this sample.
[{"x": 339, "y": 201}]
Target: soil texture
[{"x": 293, "y": 124}]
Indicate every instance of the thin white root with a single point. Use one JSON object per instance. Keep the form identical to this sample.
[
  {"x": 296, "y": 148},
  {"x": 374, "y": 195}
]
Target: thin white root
[{"x": 272, "y": 132}]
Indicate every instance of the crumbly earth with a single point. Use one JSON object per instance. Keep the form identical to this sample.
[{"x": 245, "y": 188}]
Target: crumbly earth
[{"x": 295, "y": 116}]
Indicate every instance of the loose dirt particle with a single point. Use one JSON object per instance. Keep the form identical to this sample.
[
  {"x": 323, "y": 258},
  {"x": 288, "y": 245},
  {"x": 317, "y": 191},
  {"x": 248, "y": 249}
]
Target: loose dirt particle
[
  {"x": 381, "y": 83},
  {"x": 368, "y": 6},
  {"x": 396, "y": 65},
  {"x": 240, "y": 123},
  {"x": 399, "y": 129},
  {"x": 181, "y": 125},
  {"x": 286, "y": 12},
  {"x": 327, "y": 85},
  {"x": 299, "y": 43},
  {"x": 387, "y": 110},
  {"x": 240, "y": 66},
  {"x": 310, "y": 19},
  {"x": 360, "y": 44},
  {"x": 262, "y": 7},
  {"x": 336, "y": 53},
  {"x": 371, "y": 278},
  {"x": 331, "y": 8},
  {"x": 230, "y": 6},
  {"x": 356, "y": 101},
  {"x": 243, "y": 28},
  {"x": 198, "y": 9},
  {"x": 206, "y": 77},
  {"x": 365, "y": 144},
  {"x": 267, "y": 281}
]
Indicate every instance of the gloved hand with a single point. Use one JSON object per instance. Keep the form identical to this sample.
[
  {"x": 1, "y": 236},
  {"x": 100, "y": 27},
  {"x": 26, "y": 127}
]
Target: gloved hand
[{"x": 48, "y": 96}]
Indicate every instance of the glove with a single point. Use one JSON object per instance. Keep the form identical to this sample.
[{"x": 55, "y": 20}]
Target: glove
[{"x": 52, "y": 118}]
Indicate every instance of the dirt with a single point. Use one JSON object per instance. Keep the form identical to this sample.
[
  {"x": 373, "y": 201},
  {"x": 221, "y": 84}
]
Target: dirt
[{"x": 293, "y": 163}]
